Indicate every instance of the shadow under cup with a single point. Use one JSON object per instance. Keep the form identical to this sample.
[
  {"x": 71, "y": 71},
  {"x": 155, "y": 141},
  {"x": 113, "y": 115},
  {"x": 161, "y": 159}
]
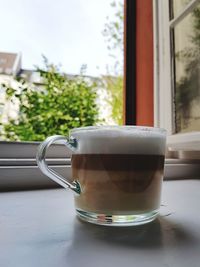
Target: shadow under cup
[{"x": 120, "y": 172}]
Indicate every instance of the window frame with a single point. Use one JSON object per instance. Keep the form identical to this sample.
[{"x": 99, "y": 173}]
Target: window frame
[
  {"x": 163, "y": 76},
  {"x": 129, "y": 103}
]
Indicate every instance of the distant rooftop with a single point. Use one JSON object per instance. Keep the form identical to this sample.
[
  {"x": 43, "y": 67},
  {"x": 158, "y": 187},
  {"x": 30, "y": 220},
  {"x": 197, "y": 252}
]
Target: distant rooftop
[{"x": 10, "y": 63}]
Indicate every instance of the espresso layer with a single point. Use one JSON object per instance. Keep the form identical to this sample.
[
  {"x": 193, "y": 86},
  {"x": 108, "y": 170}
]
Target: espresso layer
[{"x": 117, "y": 162}]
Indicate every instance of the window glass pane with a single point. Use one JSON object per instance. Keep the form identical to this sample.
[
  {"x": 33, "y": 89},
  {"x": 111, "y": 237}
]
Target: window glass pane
[
  {"x": 176, "y": 6},
  {"x": 78, "y": 82},
  {"x": 187, "y": 73}
]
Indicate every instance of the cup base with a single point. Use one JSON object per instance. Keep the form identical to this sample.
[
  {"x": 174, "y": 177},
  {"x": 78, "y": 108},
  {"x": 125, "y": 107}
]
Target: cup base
[{"x": 117, "y": 220}]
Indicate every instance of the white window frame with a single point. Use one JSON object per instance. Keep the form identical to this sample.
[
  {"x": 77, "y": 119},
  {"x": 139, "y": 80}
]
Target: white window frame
[{"x": 163, "y": 79}]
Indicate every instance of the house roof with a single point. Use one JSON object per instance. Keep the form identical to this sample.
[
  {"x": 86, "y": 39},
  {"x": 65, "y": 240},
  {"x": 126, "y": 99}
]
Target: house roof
[{"x": 10, "y": 63}]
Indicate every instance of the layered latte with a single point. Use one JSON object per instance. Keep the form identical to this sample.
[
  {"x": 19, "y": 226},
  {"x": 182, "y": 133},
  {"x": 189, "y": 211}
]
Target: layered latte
[{"x": 120, "y": 171}]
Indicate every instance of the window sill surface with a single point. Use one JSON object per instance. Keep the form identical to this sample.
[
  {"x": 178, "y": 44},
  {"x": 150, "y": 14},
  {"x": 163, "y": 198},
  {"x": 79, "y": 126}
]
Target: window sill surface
[
  {"x": 184, "y": 141},
  {"x": 40, "y": 228}
]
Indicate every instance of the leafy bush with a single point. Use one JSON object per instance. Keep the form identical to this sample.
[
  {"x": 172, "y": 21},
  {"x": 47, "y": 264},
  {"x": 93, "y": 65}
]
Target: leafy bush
[
  {"x": 60, "y": 104},
  {"x": 114, "y": 86}
]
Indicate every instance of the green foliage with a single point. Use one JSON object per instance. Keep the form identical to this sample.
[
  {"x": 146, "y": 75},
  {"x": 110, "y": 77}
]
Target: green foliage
[
  {"x": 59, "y": 105},
  {"x": 113, "y": 33},
  {"x": 114, "y": 86}
]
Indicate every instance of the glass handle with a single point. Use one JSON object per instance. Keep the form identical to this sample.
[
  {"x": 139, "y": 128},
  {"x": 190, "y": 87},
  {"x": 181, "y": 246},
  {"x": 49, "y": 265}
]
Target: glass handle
[{"x": 41, "y": 161}]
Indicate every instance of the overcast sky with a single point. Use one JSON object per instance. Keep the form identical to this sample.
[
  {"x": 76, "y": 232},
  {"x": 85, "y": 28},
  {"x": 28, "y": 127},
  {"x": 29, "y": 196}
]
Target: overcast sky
[{"x": 66, "y": 31}]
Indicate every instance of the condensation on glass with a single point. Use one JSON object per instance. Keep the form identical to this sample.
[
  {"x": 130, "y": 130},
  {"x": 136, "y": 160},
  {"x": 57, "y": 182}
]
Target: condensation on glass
[{"x": 186, "y": 65}]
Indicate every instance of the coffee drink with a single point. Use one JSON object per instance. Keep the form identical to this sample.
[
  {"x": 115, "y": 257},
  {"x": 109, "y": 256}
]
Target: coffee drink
[{"x": 119, "y": 170}]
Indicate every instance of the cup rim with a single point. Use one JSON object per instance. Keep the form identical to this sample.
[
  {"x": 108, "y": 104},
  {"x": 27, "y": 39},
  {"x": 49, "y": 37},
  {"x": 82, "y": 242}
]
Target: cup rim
[{"x": 121, "y": 127}]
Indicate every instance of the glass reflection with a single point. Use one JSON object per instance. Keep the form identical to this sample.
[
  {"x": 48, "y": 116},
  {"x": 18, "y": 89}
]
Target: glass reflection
[{"x": 187, "y": 73}]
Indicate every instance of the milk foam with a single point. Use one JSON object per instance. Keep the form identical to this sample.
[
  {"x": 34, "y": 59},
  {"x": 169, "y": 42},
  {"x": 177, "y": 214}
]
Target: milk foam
[{"x": 120, "y": 140}]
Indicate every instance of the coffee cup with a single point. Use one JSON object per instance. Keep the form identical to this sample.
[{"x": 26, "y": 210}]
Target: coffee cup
[{"x": 117, "y": 172}]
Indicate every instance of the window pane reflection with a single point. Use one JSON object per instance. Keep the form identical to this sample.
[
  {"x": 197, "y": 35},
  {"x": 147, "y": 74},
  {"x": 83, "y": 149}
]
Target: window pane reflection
[
  {"x": 176, "y": 6},
  {"x": 187, "y": 73}
]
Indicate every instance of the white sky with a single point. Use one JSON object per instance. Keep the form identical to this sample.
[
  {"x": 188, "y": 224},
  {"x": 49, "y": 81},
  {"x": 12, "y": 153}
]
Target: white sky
[{"x": 65, "y": 31}]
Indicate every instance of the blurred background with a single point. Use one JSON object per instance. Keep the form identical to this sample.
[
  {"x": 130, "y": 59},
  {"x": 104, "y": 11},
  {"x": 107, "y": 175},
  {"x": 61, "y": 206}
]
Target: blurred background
[{"x": 61, "y": 66}]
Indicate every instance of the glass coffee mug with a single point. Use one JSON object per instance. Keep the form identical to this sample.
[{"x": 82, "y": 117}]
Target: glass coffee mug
[{"x": 117, "y": 172}]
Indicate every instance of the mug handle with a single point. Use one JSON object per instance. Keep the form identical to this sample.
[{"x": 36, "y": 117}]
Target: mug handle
[{"x": 41, "y": 161}]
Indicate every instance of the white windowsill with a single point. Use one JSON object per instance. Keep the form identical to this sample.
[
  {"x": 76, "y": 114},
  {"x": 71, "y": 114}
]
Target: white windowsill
[
  {"x": 28, "y": 150},
  {"x": 184, "y": 142}
]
